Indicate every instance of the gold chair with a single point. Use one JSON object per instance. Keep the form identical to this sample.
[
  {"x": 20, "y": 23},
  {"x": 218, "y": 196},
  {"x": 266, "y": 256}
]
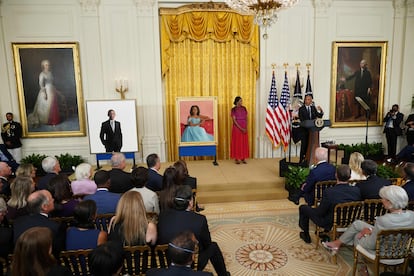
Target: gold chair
[
  {"x": 152, "y": 217},
  {"x": 344, "y": 215},
  {"x": 66, "y": 221},
  {"x": 392, "y": 248},
  {"x": 76, "y": 260},
  {"x": 160, "y": 254},
  {"x": 373, "y": 208},
  {"x": 320, "y": 187},
  {"x": 102, "y": 221},
  {"x": 4, "y": 266},
  {"x": 137, "y": 259},
  {"x": 396, "y": 181}
]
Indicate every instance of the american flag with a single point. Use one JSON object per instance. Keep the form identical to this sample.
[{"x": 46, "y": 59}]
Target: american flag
[
  {"x": 272, "y": 124},
  {"x": 284, "y": 114}
]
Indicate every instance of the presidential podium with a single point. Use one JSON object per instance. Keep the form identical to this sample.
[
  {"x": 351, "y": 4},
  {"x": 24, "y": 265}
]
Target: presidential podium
[{"x": 313, "y": 127}]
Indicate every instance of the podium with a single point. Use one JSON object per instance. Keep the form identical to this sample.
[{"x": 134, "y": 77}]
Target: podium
[{"x": 313, "y": 127}]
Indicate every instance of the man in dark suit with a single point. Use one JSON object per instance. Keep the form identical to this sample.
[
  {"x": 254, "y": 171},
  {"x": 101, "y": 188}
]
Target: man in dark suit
[
  {"x": 51, "y": 166},
  {"x": 173, "y": 221},
  {"x": 40, "y": 204},
  {"x": 392, "y": 129},
  {"x": 323, "y": 214},
  {"x": 121, "y": 180},
  {"x": 106, "y": 201},
  {"x": 181, "y": 252},
  {"x": 307, "y": 112},
  {"x": 409, "y": 123},
  {"x": 11, "y": 133},
  {"x": 409, "y": 185},
  {"x": 5, "y": 172},
  {"x": 370, "y": 187},
  {"x": 154, "y": 178},
  {"x": 323, "y": 171},
  {"x": 111, "y": 135}
]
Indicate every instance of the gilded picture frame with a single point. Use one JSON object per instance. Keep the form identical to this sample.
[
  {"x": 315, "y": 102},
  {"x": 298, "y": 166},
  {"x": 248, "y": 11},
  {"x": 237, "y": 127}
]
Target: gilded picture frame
[
  {"x": 350, "y": 84},
  {"x": 200, "y": 129},
  {"x": 49, "y": 89}
]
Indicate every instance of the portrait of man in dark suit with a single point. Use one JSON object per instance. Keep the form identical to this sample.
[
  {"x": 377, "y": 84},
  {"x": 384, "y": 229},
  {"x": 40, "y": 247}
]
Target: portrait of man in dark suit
[{"x": 111, "y": 134}]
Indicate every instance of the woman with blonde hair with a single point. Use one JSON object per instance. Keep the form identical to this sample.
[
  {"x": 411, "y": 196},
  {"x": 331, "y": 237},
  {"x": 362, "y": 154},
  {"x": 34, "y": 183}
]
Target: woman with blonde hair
[
  {"x": 355, "y": 161},
  {"x": 21, "y": 188},
  {"x": 130, "y": 226},
  {"x": 26, "y": 170}
]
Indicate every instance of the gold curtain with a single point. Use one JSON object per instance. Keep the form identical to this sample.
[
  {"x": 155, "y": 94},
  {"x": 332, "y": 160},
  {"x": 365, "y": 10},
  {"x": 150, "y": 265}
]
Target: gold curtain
[{"x": 208, "y": 50}]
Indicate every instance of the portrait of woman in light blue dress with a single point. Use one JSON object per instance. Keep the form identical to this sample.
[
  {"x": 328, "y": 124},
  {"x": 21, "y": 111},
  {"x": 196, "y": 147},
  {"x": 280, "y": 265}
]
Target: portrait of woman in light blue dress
[{"x": 194, "y": 132}]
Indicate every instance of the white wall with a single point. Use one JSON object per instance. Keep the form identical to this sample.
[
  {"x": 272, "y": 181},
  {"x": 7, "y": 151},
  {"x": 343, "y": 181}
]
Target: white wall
[{"x": 120, "y": 38}]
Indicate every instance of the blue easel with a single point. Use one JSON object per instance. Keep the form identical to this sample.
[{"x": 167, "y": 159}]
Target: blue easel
[{"x": 199, "y": 151}]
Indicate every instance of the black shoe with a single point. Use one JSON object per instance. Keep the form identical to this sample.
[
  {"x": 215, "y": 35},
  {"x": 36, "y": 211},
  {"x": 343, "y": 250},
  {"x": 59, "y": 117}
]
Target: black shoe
[
  {"x": 324, "y": 238},
  {"x": 294, "y": 199},
  {"x": 305, "y": 237},
  {"x": 228, "y": 273}
]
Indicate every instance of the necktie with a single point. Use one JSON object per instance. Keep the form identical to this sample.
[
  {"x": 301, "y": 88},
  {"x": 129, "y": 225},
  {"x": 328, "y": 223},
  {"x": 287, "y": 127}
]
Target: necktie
[
  {"x": 113, "y": 126},
  {"x": 309, "y": 112},
  {"x": 362, "y": 72}
]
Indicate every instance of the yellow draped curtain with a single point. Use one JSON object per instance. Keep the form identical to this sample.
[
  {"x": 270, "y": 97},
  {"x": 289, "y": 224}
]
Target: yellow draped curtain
[{"x": 209, "y": 52}]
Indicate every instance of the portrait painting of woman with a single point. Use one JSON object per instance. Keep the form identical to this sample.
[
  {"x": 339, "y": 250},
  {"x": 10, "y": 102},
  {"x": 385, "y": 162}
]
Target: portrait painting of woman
[{"x": 194, "y": 131}]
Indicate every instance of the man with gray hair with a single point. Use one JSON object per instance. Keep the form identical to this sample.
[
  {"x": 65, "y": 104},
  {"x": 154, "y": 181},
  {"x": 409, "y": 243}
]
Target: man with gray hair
[
  {"x": 321, "y": 172},
  {"x": 51, "y": 166},
  {"x": 40, "y": 204},
  {"x": 5, "y": 172},
  {"x": 121, "y": 181}
]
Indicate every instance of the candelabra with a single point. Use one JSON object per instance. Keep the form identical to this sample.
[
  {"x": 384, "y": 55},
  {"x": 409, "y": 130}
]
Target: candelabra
[{"x": 121, "y": 86}]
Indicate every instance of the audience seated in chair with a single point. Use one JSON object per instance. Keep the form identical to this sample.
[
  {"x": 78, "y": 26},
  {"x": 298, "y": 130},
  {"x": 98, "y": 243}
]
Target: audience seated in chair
[
  {"x": 139, "y": 179},
  {"x": 51, "y": 166},
  {"x": 59, "y": 186},
  {"x": 169, "y": 187},
  {"x": 120, "y": 179},
  {"x": 183, "y": 178},
  {"x": 409, "y": 184},
  {"x": 154, "y": 178},
  {"x": 21, "y": 188},
  {"x": 371, "y": 186},
  {"x": 181, "y": 251},
  {"x": 6, "y": 233},
  {"x": 323, "y": 214},
  {"x": 107, "y": 259},
  {"x": 395, "y": 199},
  {"x": 5, "y": 173},
  {"x": 83, "y": 185},
  {"x": 27, "y": 170},
  {"x": 32, "y": 254},
  {"x": 355, "y": 161},
  {"x": 106, "y": 201},
  {"x": 168, "y": 229},
  {"x": 323, "y": 171},
  {"x": 84, "y": 235}
]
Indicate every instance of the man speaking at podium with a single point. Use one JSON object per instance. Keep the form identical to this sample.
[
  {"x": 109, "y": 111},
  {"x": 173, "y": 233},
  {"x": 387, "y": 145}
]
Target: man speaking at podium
[{"x": 307, "y": 112}]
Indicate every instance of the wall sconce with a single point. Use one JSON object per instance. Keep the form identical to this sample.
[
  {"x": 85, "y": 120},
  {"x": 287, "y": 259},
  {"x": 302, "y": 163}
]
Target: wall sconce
[{"x": 121, "y": 86}]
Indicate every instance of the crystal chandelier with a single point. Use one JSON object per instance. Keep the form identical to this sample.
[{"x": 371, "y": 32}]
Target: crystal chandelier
[{"x": 264, "y": 11}]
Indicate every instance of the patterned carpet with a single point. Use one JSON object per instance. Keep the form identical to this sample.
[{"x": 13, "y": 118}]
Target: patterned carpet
[{"x": 262, "y": 238}]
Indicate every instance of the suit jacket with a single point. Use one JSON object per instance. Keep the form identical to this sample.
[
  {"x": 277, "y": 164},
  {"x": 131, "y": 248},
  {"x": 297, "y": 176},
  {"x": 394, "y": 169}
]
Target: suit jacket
[
  {"x": 171, "y": 222},
  {"x": 106, "y": 202},
  {"x": 395, "y": 122},
  {"x": 13, "y": 133},
  {"x": 43, "y": 182},
  {"x": 154, "y": 180},
  {"x": 323, "y": 171},
  {"x": 304, "y": 115},
  {"x": 10, "y": 159},
  {"x": 409, "y": 188},
  {"x": 370, "y": 188},
  {"x": 121, "y": 181},
  {"x": 176, "y": 271},
  {"x": 362, "y": 83},
  {"x": 23, "y": 223},
  {"x": 112, "y": 140},
  {"x": 5, "y": 187},
  {"x": 339, "y": 193}
]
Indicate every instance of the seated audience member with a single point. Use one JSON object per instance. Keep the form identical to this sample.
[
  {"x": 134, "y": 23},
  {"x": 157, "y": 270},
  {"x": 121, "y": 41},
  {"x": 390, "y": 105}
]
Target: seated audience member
[
  {"x": 169, "y": 187},
  {"x": 395, "y": 199},
  {"x": 27, "y": 170},
  {"x": 83, "y": 185},
  {"x": 40, "y": 204},
  {"x": 323, "y": 214},
  {"x": 406, "y": 154},
  {"x": 21, "y": 188},
  {"x": 59, "y": 186},
  {"x": 5, "y": 172},
  {"x": 323, "y": 171},
  {"x": 51, "y": 166},
  {"x": 107, "y": 259},
  {"x": 355, "y": 161},
  {"x": 6, "y": 156},
  {"x": 183, "y": 178},
  {"x": 120, "y": 180},
  {"x": 409, "y": 184},
  {"x": 181, "y": 251},
  {"x": 84, "y": 235},
  {"x": 130, "y": 226},
  {"x": 154, "y": 178},
  {"x": 371, "y": 186},
  {"x": 140, "y": 178},
  {"x": 106, "y": 201},
  {"x": 6, "y": 234},
  {"x": 168, "y": 229},
  {"x": 32, "y": 254}
]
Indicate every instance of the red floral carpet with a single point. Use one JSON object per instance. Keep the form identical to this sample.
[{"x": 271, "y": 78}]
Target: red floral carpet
[{"x": 262, "y": 238}]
